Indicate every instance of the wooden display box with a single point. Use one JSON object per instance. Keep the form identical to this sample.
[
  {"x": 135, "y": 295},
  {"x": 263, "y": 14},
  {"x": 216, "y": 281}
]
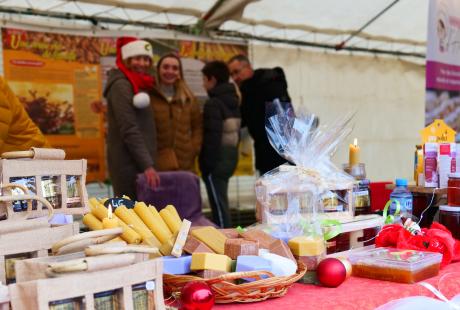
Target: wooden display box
[
  {"x": 37, "y": 294},
  {"x": 32, "y": 243},
  {"x": 61, "y": 182}
]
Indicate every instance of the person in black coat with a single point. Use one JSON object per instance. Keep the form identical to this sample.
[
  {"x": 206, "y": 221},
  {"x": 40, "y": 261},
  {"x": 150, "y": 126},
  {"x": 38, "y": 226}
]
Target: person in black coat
[
  {"x": 221, "y": 126},
  {"x": 259, "y": 87}
]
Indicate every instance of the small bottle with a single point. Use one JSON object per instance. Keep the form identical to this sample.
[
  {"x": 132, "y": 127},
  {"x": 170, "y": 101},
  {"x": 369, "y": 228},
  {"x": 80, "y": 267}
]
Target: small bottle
[{"x": 404, "y": 196}]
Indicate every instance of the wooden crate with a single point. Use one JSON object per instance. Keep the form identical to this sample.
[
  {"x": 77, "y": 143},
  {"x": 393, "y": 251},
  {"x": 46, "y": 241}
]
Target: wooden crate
[
  {"x": 34, "y": 243},
  {"x": 38, "y": 170},
  {"x": 37, "y": 294}
]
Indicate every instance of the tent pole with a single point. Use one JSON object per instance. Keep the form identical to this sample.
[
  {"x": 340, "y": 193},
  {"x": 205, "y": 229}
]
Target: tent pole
[{"x": 341, "y": 45}]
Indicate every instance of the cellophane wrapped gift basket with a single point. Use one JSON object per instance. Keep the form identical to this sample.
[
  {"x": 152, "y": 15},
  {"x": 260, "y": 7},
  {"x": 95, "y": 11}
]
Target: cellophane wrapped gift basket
[{"x": 292, "y": 200}]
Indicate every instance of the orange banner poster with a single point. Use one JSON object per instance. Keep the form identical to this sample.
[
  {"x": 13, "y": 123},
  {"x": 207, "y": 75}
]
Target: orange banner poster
[{"x": 56, "y": 77}]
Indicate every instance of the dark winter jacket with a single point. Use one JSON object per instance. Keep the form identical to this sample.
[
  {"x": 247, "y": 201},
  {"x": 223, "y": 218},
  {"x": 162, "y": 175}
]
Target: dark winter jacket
[
  {"x": 131, "y": 137},
  {"x": 264, "y": 86},
  {"x": 221, "y": 124}
]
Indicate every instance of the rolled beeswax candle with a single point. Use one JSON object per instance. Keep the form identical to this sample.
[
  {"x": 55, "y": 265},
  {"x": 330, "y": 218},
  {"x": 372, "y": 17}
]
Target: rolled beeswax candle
[
  {"x": 170, "y": 220},
  {"x": 354, "y": 153},
  {"x": 156, "y": 225},
  {"x": 173, "y": 211},
  {"x": 158, "y": 219},
  {"x": 110, "y": 221},
  {"x": 92, "y": 222},
  {"x": 128, "y": 217},
  {"x": 129, "y": 235}
]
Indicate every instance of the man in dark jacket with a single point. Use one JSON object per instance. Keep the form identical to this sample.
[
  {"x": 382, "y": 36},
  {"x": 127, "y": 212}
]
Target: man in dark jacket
[
  {"x": 219, "y": 151},
  {"x": 259, "y": 87}
]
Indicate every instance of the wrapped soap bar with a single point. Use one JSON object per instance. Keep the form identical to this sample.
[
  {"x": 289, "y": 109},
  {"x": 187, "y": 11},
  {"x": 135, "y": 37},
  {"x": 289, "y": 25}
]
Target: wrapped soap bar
[
  {"x": 280, "y": 265},
  {"x": 252, "y": 263},
  {"x": 177, "y": 265},
  {"x": 209, "y": 261},
  {"x": 262, "y": 237},
  {"x": 211, "y": 237},
  {"x": 193, "y": 245},
  {"x": 237, "y": 247}
]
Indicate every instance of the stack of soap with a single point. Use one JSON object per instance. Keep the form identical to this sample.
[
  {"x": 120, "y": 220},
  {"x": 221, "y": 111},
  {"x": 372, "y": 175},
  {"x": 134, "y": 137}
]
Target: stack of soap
[
  {"x": 211, "y": 237},
  {"x": 262, "y": 237},
  {"x": 237, "y": 247},
  {"x": 308, "y": 250},
  {"x": 210, "y": 261},
  {"x": 177, "y": 265}
]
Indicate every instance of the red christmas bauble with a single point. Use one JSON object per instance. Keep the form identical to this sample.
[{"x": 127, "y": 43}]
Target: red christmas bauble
[
  {"x": 196, "y": 295},
  {"x": 331, "y": 272}
]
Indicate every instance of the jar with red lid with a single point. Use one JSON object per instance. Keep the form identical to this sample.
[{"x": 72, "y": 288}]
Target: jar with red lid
[
  {"x": 450, "y": 217},
  {"x": 453, "y": 189}
]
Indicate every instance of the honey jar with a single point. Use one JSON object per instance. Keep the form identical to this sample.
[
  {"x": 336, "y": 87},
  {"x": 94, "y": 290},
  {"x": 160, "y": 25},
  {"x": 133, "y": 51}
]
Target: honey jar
[
  {"x": 449, "y": 216},
  {"x": 453, "y": 189}
]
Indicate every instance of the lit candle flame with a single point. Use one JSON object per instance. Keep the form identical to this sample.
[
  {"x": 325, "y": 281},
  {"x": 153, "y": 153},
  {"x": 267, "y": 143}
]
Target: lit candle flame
[
  {"x": 109, "y": 212},
  {"x": 355, "y": 142}
]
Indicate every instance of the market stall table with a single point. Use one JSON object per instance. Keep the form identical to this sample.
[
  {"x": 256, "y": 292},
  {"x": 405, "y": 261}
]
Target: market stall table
[{"x": 355, "y": 293}]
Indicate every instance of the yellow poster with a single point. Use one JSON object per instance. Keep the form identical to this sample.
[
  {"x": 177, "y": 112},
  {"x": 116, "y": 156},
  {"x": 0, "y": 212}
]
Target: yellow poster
[{"x": 56, "y": 77}]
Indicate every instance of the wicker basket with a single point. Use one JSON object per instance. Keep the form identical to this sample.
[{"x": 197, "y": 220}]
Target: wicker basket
[{"x": 226, "y": 291}]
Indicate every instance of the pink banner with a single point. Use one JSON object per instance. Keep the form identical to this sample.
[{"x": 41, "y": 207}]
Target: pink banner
[{"x": 442, "y": 76}]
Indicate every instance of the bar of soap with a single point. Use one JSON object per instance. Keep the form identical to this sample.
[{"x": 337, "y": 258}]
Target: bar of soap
[
  {"x": 311, "y": 262},
  {"x": 280, "y": 247},
  {"x": 210, "y": 261},
  {"x": 307, "y": 246},
  {"x": 177, "y": 265},
  {"x": 281, "y": 266},
  {"x": 262, "y": 237},
  {"x": 211, "y": 237},
  {"x": 252, "y": 263},
  {"x": 237, "y": 247},
  {"x": 209, "y": 274},
  {"x": 193, "y": 245},
  {"x": 231, "y": 233}
]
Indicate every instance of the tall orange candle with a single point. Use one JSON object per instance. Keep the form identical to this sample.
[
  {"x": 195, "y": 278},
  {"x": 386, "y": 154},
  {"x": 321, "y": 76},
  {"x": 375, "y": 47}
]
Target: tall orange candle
[
  {"x": 354, "y": 153},
  {"x": 109, "y": 221}
]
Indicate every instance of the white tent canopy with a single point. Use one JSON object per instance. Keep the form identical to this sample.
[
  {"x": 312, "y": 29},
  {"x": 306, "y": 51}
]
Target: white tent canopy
[{"x": 322, "y": 23}]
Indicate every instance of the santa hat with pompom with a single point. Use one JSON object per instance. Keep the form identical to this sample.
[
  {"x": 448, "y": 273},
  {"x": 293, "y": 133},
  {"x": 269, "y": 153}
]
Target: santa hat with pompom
[{"x": 129, "y": 47}]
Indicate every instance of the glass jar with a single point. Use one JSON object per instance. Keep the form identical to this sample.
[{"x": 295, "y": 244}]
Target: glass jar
[
  {"x": 66, "y": 304},
  {"x": 450, "y": 217},
  {"x": 362, "y": 197},
  {"x": 453, "y": 189},
  {"x": 140, "y": 297},
  {"x": 107, "y": 300}
]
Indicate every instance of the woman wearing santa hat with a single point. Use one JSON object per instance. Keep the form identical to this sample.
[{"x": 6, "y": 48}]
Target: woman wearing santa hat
[
  {"x": 131, "y": 137},
  {"x": 178, "y": 118}
]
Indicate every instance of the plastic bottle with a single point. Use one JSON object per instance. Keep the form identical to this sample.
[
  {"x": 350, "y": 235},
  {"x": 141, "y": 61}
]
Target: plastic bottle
[{"x": 404, "y": 196}]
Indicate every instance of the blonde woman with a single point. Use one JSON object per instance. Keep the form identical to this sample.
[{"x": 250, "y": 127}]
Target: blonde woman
[{"x": 178, "y": 118}]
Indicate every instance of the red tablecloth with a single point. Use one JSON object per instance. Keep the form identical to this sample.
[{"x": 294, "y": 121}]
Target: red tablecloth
[{"x": 355, "y": 293}]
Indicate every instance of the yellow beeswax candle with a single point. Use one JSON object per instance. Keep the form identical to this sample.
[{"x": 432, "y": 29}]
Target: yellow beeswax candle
[
  {"x": 354, "y": 153},
  {"x": 173, "y": 211},
  {"x": 135, "y": 223},
  {"x": 129, "y": 235},
  {"x": 170, "y": 220},
  {"x": 158, "y": 217},
  {"x": 156, "y": 225},
  {"x": 110, "y": 221},
  {"x": 92, "y": 222}
]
